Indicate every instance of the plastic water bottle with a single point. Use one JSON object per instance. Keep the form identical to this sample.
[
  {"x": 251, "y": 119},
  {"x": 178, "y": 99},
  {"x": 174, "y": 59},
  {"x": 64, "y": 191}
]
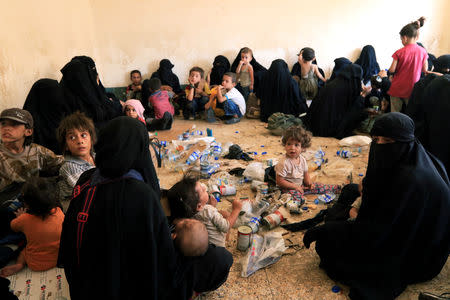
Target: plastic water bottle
[
  {"x": 211, "y": 169},
  {"x": 216, "y": 151},
  {"x": 204, "y": 159},
  {"x": 344, "y": 153},
  {"x": 325, "y": 198},
  {"x": 319, "y": 157},
  {"x": 192, "y": 158}
]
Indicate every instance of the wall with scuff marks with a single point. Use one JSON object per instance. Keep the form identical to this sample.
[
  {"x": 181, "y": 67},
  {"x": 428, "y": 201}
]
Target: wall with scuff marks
[{"x": 39, "y": 37}]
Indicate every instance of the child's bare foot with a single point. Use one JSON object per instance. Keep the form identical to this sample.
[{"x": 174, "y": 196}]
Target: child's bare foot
[{"x": 11, "y": 270}]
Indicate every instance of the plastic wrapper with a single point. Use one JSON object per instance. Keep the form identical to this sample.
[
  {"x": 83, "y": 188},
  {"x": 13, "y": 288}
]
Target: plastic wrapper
[
  {"x": 264, "y": 251},
  {"x": 255, "y": 171}
]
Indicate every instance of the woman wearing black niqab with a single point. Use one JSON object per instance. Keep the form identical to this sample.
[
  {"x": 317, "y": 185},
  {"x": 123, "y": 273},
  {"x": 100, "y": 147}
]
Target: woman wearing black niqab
[
  {"x": 338, "y": 109},
  {"x": 339, "y": 64},
  {"x": 368, "y": 62},
  {"x": 401, "y": 235},
  {"x": 45, "y": 102},
  {"x": 167, "y": 77},
  {"x": 115, "y": 242},
  {"x": 84, "y": 92},
  {"x": 221, "y": 65},
  {"x": 279, "y": 92},
  {"x": 432, "y": 123}
]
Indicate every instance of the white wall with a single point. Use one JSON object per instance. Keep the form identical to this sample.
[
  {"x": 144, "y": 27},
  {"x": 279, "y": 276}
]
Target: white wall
[{"x": 39, "y": 37}]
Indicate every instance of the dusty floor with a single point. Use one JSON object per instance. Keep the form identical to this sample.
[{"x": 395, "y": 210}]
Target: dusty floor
[{"x": 296, "y": 275}]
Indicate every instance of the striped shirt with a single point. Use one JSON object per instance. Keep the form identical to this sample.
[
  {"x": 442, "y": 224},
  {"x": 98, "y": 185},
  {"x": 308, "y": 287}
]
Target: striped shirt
[{"x": 69, "y": 173}]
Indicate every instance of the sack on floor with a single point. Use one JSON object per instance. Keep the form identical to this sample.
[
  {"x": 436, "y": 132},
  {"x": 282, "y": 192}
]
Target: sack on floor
[
  {"x": 253, "y": 110},
  {"x": 263, "y": 252},
  {"x": 279, "y": 122}
]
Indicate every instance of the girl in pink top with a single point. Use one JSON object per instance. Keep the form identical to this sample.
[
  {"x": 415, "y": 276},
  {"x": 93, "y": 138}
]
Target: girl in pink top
[{"x": 407, "y": 65}]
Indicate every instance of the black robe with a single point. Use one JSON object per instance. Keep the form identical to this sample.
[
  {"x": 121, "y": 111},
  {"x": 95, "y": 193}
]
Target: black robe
[
  {"x": 339, "y": 64},
  {"x": 258, "y": 70},
  {"x": 338, "y": 109},
  {"x": 45, "y": 102},
  {"x": 167, "y": 77},
  {"x": 126, "y": 233},
  {"x": 368, "y": 62},
  {"x": 82, "y": 93},
  {"x": 433, "y": 130},
  {"x": 279, "y": 92},
  {"x": 221, "y": 65},
  {"x": 125, "y": 250},
  {"x": 402, "y": 232}
]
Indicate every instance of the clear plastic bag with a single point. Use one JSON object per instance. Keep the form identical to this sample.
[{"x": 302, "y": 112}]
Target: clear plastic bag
[
  {"x": 264, "y": 251},
  {"x": 255, "y": 171}
]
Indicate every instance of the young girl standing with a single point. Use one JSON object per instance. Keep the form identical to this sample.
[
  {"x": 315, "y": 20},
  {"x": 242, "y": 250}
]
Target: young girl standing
[{"x": 407, "y": 65}]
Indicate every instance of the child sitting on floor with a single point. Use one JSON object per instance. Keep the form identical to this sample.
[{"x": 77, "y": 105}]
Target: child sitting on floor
[
  {"x": 134, "y": 90},
  {"x": 190, "y": 237},
  {"x": 20, "y": 159},
  {"x": 159, "y": 101},
  {"x": 134, "y": 109},
  {"x": 197, "y": 93},
  {"x": 192, "y": 196},
  {"x": 292, "y": 170},
  {"x": 41, "y": 222},
  {"x": 76, "y": 136},
  {"x": 226, "y": 101}
]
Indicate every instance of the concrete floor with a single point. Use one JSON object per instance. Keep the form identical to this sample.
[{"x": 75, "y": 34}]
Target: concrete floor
[{"x": 296, "y": 275}]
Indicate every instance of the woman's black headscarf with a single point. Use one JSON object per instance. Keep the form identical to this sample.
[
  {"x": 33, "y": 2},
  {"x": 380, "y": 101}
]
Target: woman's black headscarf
[
  {"x": 279, "y": 92},
  {"x": 167, "y": 77},
  {"x": 45, "y": 102},
  {"x": 125, "y": 232},
  {"x": 336, "y": 110},
  {"x": 221, "y": 65},
  {"x": 368, "y": 62},
  {"x": 258, "y": 70},
  {"x": 82, "y": 93},
  {"x": 339, "y": 64},
  {"x": 442, "y": 64},
  {"x": 402, "y": 232},
  {"x": 431, "y": 58}
]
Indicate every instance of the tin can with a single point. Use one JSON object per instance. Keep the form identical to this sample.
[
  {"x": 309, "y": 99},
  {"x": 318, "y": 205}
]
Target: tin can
[
  {"x": 244, "y": 237},
  {"x": 273, "y": 220},
  {"x": 254, "y": 224},
  {"x": 263, "y": 188}
]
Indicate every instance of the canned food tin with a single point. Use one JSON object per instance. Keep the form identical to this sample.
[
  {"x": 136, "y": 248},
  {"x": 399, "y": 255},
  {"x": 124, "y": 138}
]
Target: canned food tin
[
  {"x": 244, "y": 237},
  {"x": 254, "y": 224},
  {"x": 273, "y": 220}
]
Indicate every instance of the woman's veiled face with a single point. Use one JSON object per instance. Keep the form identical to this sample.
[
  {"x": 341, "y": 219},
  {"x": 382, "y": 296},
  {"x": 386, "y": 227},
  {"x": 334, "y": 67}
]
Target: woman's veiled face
[{"x": 382, "y": 139}]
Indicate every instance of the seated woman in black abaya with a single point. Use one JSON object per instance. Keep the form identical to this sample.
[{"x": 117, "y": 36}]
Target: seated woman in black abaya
[
  {"x": 401, "y": 234},
  {"x": 339, "y": 107},
  {"x": 45, "y": 102},
  {"x": 83, "y": 91},
  {"x": 279, "y": 92},
  {"x": 115, "y": 229}
]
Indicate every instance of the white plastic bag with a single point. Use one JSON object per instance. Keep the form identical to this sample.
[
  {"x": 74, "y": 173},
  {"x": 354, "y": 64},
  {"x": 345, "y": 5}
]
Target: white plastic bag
[
  {"x": 356, "y": 140},
  {"x": 254, "y": 171},
  {"x": 263, "y": 252}
]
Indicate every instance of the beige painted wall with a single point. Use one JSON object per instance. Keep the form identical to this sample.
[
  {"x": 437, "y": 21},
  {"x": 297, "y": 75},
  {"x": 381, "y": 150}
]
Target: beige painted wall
[{"x": 39, "y": 37}]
